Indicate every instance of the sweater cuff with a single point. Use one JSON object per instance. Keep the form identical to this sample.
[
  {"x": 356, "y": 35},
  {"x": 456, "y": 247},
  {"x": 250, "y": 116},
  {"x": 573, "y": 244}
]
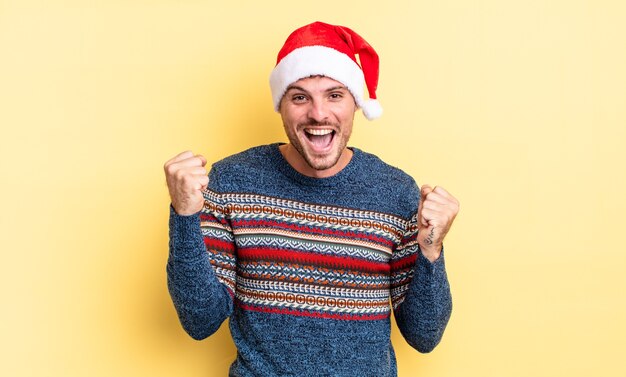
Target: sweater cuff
[
  {"x": 185, "y": 232},
  {"x": 423, "y": 264}
]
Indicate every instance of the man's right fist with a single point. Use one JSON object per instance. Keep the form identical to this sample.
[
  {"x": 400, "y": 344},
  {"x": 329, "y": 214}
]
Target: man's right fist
[{"x": 186, "y": 178}]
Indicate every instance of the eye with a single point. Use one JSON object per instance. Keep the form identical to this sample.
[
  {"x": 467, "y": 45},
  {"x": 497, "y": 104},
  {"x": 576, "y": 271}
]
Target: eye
[
  {"x": 298, "y": 98},
  {"x": 336, "y": 96}
]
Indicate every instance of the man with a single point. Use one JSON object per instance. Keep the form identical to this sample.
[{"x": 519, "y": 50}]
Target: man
[{"x": 309, "y": 246}]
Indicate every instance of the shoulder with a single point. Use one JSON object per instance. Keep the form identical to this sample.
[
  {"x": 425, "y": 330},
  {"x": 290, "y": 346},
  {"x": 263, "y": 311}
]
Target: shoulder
[
  {"x": 249, "y": 158},
  {"x": 385, "y": 172},
  {"x": 385, "y": 175},
  {"x": 390, "y": 183},
  {"x": 241, "y": 169}
]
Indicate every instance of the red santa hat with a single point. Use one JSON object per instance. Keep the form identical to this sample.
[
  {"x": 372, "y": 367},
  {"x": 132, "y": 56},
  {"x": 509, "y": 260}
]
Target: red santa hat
[{"x": 328, "y": 50}]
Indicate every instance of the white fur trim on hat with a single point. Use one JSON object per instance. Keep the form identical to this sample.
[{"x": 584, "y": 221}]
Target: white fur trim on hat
[
  {"x": 318, "y": 60},
  {"x": 372, "y": 109}
]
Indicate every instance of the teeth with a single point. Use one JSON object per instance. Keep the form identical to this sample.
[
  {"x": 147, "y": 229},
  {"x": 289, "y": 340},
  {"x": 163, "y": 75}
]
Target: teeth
[{"x": 318, "y": 131}]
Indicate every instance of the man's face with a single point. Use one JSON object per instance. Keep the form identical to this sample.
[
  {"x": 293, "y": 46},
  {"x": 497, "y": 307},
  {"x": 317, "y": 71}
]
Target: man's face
[{"x": 317, "y": 114}]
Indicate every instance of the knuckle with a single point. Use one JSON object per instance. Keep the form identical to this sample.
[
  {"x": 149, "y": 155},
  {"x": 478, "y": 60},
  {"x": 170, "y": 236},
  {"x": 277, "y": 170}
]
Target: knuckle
[
  {"x": 454, "y": 206},
  {"x": 187, "y": 179}
]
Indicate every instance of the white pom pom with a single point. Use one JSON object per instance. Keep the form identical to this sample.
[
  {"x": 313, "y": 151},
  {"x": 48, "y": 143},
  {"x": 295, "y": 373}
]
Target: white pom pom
[{"x": 372, "y": 109}]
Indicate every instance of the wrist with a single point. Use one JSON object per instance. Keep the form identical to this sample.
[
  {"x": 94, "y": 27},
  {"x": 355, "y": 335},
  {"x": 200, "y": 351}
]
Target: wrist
[
  {"x": 183, "y": 211},
  {"x": 431, "y": 252}
]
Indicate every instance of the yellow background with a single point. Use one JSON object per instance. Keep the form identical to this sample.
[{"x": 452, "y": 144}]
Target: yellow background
[{"x": 516, "y": 107}]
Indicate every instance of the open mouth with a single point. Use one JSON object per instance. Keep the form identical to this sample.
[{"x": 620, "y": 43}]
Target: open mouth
[{"x": 320, "y": 138}]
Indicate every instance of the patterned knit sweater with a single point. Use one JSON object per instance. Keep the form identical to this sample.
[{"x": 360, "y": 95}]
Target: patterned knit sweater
[{"x": 308, "y": 270}]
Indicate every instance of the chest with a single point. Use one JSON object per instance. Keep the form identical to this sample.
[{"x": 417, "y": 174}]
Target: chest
[{"x": 308, "y": 258}]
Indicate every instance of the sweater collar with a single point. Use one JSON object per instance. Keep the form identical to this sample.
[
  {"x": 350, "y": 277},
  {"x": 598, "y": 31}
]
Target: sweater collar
[{"x": 285, "y": 168}]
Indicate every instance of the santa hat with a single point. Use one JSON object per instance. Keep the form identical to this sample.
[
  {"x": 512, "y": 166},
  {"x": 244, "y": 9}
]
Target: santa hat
[{"x": 328, "y": 50}]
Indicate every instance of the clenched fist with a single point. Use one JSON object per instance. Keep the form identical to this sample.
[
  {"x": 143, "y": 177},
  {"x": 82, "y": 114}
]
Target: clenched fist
[
  {"x": 436, "y": 212},
  {"x": 186, "y": 178}
]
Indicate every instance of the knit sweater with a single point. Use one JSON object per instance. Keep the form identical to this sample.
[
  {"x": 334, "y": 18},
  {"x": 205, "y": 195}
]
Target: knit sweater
[{"x": 307, "y": 269}]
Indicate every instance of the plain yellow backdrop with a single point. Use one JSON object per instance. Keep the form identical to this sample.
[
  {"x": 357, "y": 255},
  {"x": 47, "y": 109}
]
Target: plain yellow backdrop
[{"x": 516, "y": 107}]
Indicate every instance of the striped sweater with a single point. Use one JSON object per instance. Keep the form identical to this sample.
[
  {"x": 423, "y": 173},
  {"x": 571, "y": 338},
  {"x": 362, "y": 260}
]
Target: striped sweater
[{"x": 308, "y": 270}]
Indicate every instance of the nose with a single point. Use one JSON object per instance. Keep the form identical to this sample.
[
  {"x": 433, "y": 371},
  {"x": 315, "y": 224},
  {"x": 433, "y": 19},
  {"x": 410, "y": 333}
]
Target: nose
[{"x": 318, "y": 111}]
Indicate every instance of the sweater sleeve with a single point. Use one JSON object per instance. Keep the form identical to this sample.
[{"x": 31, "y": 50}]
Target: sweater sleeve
[
  {"x": 420, "y": 293},
  {"x": 201, "y": 265}
]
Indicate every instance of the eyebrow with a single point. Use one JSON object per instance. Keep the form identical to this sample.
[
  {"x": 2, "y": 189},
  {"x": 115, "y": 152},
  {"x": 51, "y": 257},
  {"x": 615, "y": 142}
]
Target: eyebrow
[{"x": 296, "y": 87}]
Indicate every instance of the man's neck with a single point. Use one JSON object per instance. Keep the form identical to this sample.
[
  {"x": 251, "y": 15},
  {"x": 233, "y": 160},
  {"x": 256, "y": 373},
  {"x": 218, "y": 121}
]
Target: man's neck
[{"x": 297, "y": 162}]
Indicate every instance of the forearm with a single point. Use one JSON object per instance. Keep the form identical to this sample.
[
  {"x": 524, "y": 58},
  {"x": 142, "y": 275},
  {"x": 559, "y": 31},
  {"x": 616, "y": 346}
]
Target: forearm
[
  {"x": 201, "y": 300},
  {"x": 423, "y": 315}
]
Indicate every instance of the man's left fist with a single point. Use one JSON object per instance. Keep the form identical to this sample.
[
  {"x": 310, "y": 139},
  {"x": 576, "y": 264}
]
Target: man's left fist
[{"x": 435, "y": 214}]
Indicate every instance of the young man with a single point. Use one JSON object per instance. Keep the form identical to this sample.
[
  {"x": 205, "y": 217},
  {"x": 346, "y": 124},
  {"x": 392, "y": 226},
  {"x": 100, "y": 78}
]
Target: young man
[{"x": 309, "y": 246}]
